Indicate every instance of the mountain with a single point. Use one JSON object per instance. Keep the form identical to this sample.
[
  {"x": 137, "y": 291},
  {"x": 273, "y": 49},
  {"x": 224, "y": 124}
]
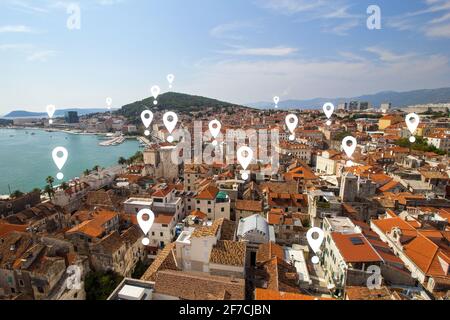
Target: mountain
[
  {"x": 398, "y": 99},
  {"x": 58, "y": 113},
  {"x": 177, "y": 102}
]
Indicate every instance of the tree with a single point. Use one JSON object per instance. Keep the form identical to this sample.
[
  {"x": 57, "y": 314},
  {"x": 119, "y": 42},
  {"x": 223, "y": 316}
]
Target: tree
[
  {"x": 49, "y": 190},
  {"x": 17, "y": 194},
  {"x": 96, "y": 167},
  {"x": 86, "y": 172},
  {"x": 37, "y": 190},
  {"x": 50, "y": 181},
  {"x": 64, "y": 186},
  {"x": 122, "y": 161},
  {"x": 99, "y": 285}
]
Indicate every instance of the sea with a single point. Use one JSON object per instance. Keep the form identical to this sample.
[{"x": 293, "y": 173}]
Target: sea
[{"x": 26, "y": 156}]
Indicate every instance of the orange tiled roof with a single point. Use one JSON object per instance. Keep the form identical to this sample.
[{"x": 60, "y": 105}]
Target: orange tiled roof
[
  {"x": 208, "y": 193},
  {"x": 267, "y": 294},
  {"x": 351, "y": 252},
  {"x": 94, "y": 228}
]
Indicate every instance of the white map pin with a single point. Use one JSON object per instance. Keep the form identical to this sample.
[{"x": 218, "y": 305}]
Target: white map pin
[
  {"x": 349, "y": 145},
  {"x": 147, "y": 118},
  {"x": 170, "y": 120},
  {"x": 214, "y": 128},
  {"x": 276, "y": 100},
  {"x": 109, "y": 102},
  {"x": 328, "y": 109},
  {"x": 51, "y": 111},
  {"x": 145, "y": 225},
  {"x": 245, "y": 156},
  {"x": 155, "y": 90},
  {"x": 60, "y": 156},
  {"x": 315, "y": 243},
  {"x": 291, "y": 123},
  {"x": 170, "y": 78},
  {"x": 412, "y": 121}
]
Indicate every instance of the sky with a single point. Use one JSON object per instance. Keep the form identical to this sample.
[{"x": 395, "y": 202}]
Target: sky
[{"x": 239, "y": 51}]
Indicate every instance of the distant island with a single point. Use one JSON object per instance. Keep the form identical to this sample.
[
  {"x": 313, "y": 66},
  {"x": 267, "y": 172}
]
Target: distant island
[
  {"x": 58, "y": 113},
  {"x": 398, "y": 99}
]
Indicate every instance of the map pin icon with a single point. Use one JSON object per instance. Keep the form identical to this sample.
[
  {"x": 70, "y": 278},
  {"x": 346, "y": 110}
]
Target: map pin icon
[
  {"x": 170, "y": 78},
  {"x": 291, "y": 123},
  {"x": 145, "y": 218},
  {"x": 245, "y": 156},
  {"x": 51, "y": 111},
  {"x": 170, "y": 120},
  {"x": 155, "y": 90},
  {"x": 60, "y": 156},
  {"x": 147, "y": 118},
  {"x": 276, "y": 100},
  {"x": 214, "y": 128},
  {"x": 349, "y": 145},
  {"x": 328, "y": 109},
  {"x": 109, "y": 102},
  {"x": 412, "y": 121},
  {"x": 315, "y": 243}
]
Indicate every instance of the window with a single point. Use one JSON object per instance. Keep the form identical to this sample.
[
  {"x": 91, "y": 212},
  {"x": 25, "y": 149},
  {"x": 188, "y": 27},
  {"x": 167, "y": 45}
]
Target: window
[
  {"x": 198, "y": 201},
  {"x": 189, "y": 208},
  {"x": 165, "y": 225},
  {"x": 209, "y": 210},
  {"x": 21, "y": 283},
  {"x": 153, "y": 233},
  {"x": 161, "y": 234},
  {"x": 209, "y": 202},
  {"x": 222, "y": 209}
]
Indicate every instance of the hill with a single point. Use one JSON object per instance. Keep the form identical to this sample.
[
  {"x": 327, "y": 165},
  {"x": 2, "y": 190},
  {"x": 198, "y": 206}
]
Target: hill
[
  {"x": 177, "y": 102},
  {"x": 398, "y": 99},
  {"x": 58, "y": 113}
]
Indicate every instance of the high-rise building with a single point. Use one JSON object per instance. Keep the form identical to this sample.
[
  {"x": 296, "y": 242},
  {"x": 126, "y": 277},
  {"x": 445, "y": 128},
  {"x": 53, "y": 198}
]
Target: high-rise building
[{"x": 72, "y": 117}]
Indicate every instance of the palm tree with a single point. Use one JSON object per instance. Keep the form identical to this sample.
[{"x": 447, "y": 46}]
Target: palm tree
[
  {"x": 64, "y": 186},
  {"x": 49, "y": 190},
  {"x": 96, "y": 167},
  {"x": 16, "y": 194},
  {"x": 122, "y": 161},
  {"x": 50, "y": 181},
  {"x": 86, "y": 172}
]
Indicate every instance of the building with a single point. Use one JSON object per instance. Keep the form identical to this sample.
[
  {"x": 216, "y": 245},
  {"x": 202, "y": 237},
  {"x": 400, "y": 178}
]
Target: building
[
  {"x": 388, "y": 120},
  {"x": 215, "y": 203},
  {"x": 15, "y": 205},
  {"x": 345, "y": 260},
  {"x": 246, "y": 208},
  {"x": 71, "y": 117},
  {"x": 349, "y": 187}
]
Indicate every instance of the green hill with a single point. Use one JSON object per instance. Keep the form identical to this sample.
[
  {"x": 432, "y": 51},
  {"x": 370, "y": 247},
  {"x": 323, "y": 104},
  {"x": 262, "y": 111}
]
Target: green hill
[{"x": 177, "y": 102}]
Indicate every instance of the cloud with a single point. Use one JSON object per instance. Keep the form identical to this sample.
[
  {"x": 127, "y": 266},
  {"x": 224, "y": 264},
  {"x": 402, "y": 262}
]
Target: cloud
[
  {"x": 341, "y": 29},
  {"x": 441, "y": 31},
  {"x": 230, "y": 31},
  {"x": 279, "y": 51},
  {"x": 261, "y": 79},
  {"x": 16, "y": 29},
  {"x": 41, "y": 56},
  {"x": 292, "y": 6},
  {"x": 387, "y": 55},
  {"x": 15, "y": 46},
  {"x": 436, "y": 27}
]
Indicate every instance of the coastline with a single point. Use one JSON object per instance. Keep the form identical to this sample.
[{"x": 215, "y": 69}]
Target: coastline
[{"x": 34, "y": 178}]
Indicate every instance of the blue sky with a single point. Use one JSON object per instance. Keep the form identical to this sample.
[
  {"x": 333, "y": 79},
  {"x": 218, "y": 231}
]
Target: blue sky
[{"x": 236, "y": 50}]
